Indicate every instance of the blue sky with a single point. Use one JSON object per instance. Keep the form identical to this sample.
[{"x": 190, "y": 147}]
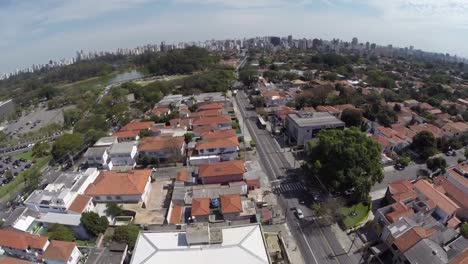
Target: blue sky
[{"x": 34, "y": 31}]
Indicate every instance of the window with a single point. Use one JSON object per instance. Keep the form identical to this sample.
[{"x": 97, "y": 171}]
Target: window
[
  {"x": 97, "y": 198},
  {"x": 118, "y": 197},
  {"x": 109, "y": 197},
  {"x": 211, "y": 150}
]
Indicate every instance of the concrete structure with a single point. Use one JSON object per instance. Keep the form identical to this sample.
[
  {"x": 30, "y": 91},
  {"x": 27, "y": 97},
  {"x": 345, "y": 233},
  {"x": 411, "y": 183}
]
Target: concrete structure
[
  {"x": 97, "y": 157},
  {"x": 201, "y": 244},
  {"x": 7, "y": 108},
  {"x": 163, "y": 149},
  {"x": 105, "y": 141},
  {"x": 113, "y": 254},
  {"x": 71, "y": 221},
  {"x": 302, "y": 127},
  {"x": 123, "y": 154},
  {"x": 60, "y": 195}
]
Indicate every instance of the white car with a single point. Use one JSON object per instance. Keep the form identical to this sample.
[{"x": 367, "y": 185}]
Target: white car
[{"x": 299, "y": 214}]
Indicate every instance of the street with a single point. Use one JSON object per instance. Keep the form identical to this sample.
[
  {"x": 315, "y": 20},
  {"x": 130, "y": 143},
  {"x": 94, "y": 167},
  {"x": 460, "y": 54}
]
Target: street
[{"x": 318, "y": 244}]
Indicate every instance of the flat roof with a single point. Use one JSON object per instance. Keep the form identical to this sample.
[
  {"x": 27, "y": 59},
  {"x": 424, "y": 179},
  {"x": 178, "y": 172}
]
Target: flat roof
[
  {"x": 122, "y": 147},
  {"x": 106, "y": 256},
  {"x": 315, "y": 119},
  {"x": 240, "y": 244},
  {"x": 58, "y": 218}
]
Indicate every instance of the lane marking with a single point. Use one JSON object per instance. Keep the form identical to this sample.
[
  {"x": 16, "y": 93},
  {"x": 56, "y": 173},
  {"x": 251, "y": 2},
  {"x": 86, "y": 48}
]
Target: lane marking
[{"x": 307, "y": 243}]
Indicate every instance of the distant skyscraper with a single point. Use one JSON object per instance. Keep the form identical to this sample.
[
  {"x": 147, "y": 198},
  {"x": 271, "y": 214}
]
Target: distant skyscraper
[
  {"x": 354, "y": 42},
  {"x": 290, "y": 39},
  {"x": 276, "y": 41}
]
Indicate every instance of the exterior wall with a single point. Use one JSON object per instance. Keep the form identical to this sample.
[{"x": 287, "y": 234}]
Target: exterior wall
[
  {"x": 224, "y": 153},
  {"x": 303, "y": 134},
  {"x": 117, "y": 198},
  {"x": 74, "y": 258},
  {"x": 124, "y": 159},
  {"x": 127, "y": 139},
  {"x": 98, "y": 161},
  {"x": 43, "y": 208},
  {"x": 221, "y": 126},
  {"x": 203, "y": 218},
  {"x": 29, "y": 254},
  {"x": 163, "y": 155},
  {"x": 206, "y": 160},
  {"x": 231, "y": 216},
  {"x": 222, "y": 179}
]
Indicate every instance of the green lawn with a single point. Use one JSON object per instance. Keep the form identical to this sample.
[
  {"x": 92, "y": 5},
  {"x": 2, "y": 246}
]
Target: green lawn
[
  {"x": 10, "y": 190},
  {"x": 25, "y": 155},
  {"x": 354, "y": 215}
]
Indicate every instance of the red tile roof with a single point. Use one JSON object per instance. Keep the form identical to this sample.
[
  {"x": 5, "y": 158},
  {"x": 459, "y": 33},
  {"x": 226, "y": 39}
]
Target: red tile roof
[
  {"x": 458, "y": 174},
  {"x": 59, "y": 250},
  {"x": 231, "y": 204},
  {"x": 229, "y": 142},
  {"x": 212, "y": 120},
  {"x": 219, "y": 134},
  {"x": 210, "y": 106},
  {"x": 176, "y": 215},
  {"x": 206, "y": 113},
  {"x": 327, "y": 108},
  {"x": 461, "y": 258},
  {"x": 119, "y": 183},
  {"x": 221, "y": 169},
  {"x": 309, "y": 109},
  {"x": 161, "y": 143},
  {"x": 205, "y": 128},
  {"x": 384, "y": 142},
  {"x": 437, "y": 132},
  {"x": 137, "y": 126},
  {"x": 411, "y": 238},
  {"x": 8, "y": 260},
  {"x": 399, "y": 210},
  {"x": 402, "y": 190},
  {"x": 21, "y": 241},
  {"x": 454, "y": 222},
  {"x": 80, "y": 203},
  {"x": 126, "y": 134},
  {"x": 160, "y": 111},
  {"x": 200, "y": 206},
  {"x": 345, "y": 106},
  {"x": 442, "y": 201},
  {"x": 450, "y": 189},
  {"x": 182, "y": 176}
]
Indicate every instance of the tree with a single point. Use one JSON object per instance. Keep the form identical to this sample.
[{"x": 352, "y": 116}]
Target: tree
[
  {"x": 258, "y": 101},
  {"x": 404, "y": 161},
  {"x": 60, "y": 232},
  {"x": 71, "y": 116},
  {"x": 464, "y": 229},
  {"x": 352, "y": 117},
  {"x": 41, "y": 149},
  {"x": 67, "y": 144},
  {"x": 8, "y": 175},
  {"x": 94, "y": 224},
  {"x": 318, "y": 209},
  {"x": 144, "y": 133},
  {"x": 248, "y": 77},
  {"x": 126, "y": 234},
  {"x": 425, "y": 144},
  {"x": 188, "y": 137},
  {"x": 358, "y": 166},
  {"x": 397, "y": 108},
  {"x": 436, "y": 163},
  {"x": 113, "y": 209},
  {"x": 466, "y": 153}
]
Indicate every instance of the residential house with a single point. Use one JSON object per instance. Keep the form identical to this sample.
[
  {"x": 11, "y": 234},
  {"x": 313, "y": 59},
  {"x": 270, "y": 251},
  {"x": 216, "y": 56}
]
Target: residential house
[
  {"x": 396, "y": 139},
  {"x": 282, "y": 112},
  {"x": 127, "y": 136},
  {"x": 137, "y": 126},
  {"x": 206, "y": 113},
  {"x": 231, "y": 206},
  {"x": 274, "y": 98},
  {"x": 97, "y": 157},
  {"x": 161, "y": 111},
  {"x": 437, "y": 132},
  {"x": 302, "y": 127},
  {"x": 328, "y": 109},
  {"x": 410, "y": 103},
  {"x": 62, "y": 252},
  {"x": 163, "y": 149},
  {"x": 60, "y": 195},
  {"x": 454, "y": 183},
  {"x": 455, "y": 129},
  {"x": 23, "y": 245},
  {"x": 123, "y": 154},
  {"x": 222, "y": 172},
  {"x": 121, "y": 187},
  {"x": 219, "y": 122},
  {"x": 71, "y": 221},
  {"x": 8, "y": 260},
  {"x": 223, "y": 144},
  {"x": 105, "y": 141},
  {"x": 207, "y": 98},
  {"x": 210, "y": 106},
  {"x": 201, "y": 209}
]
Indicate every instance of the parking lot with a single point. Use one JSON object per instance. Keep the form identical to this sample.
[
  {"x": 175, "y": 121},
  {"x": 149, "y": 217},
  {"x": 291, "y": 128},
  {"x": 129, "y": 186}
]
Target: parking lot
[
  {"x": 15, "y": 165},
  {"x": 35, "y": 120}
]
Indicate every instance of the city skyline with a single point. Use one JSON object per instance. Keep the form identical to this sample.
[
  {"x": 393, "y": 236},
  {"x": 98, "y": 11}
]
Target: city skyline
[{"x": 35, "y": 33}]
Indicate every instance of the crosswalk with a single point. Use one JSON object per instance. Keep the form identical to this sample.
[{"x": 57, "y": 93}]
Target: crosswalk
[{"x": 285, "y": 187}]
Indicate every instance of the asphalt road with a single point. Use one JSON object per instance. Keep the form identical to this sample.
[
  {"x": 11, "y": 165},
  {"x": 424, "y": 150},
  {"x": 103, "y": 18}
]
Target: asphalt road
[
  {"x": 411, "y": 172},
  {"x": 318, "y": 244}
]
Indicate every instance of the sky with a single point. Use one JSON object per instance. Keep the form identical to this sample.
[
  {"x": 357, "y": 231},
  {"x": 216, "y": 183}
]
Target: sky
[{"x": 35, "y": 31}]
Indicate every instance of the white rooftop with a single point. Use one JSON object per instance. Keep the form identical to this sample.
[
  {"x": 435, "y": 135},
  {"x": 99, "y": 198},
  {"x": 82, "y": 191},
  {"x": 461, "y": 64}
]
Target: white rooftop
[{"x": 241, "y": 244}]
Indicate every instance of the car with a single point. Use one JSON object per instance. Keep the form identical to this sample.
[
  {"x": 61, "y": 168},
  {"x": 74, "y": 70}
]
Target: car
[
  {"x": 349, "y": 191},
  {"x": 451, "y": 153},
  {"x": 16, "y": 173},
  {"x": 27, "y": 166},
  {"x": 299, "y": 214},
  {"x": 399, "y": 167}
]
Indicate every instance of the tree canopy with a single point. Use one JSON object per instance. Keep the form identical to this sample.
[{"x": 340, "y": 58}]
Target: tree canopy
[
  {"x": 358, "y": 164},
  {"x": 352, "y": 117},
  {"x": 94, "y": 224},
  {"x": 425, "y": 144},
  {"x": 126, "y": 234},
  {"x": 113, "y": 209},
  {"x": 67, "y": 144},
  {"x": 248, "y": 76},
  {"x": 60, "y": 232}
]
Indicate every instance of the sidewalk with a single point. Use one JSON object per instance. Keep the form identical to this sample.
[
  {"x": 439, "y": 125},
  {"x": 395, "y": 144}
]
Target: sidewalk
[
  {"x": 242, "y": 125},
  {"x": 350, "y": 243},
  {"x": 292, "y": 250}
]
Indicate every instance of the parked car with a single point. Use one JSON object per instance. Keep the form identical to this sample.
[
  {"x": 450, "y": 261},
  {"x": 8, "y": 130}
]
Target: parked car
[
  {"x": 399, "y": 167},
  {"x": 299, "y": 214},
  {"x": 349, "y": 191}
]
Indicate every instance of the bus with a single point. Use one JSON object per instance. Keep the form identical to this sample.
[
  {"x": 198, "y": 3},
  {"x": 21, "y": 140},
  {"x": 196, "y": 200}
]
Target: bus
[{"x": 261, "y": 122}]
